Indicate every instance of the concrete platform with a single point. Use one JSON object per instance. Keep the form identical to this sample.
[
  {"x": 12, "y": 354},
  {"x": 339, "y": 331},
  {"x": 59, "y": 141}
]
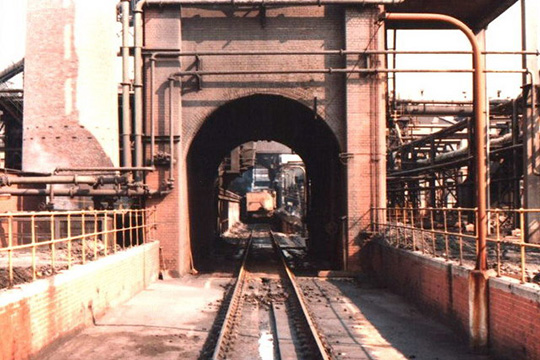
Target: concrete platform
[
  {"x": 172, "y": 319},
  {"x": 169, "y": 320}
]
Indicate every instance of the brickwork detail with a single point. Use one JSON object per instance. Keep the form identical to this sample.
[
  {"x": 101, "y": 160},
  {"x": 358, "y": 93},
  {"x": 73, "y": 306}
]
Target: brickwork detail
[
  {"x": 349, "y": 104},
  {"x": 442, "y": 288},
  {"x": 34, "y": 315}
]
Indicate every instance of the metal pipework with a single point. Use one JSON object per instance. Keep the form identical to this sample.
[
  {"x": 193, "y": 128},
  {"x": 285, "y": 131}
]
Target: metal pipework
[
  {"x": 137, "y": 84},
  {"x": 153, "y": 59},
  {"x": 479, "y": 104},
  {"x": 340, "y": 52},
  {"x": 331, "y": 71},
  {"x": 270, "y": 2},
  {"x": 103, "y": 169},
  {"x": 171, "y": 132},
  {"x": 126, "y": 84},
  {"x": 63, "y": 179},
  {"x": 73, "y": 192}
]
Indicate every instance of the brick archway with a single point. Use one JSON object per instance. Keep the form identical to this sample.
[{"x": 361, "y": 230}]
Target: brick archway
[{"x": 277, "y": 118}]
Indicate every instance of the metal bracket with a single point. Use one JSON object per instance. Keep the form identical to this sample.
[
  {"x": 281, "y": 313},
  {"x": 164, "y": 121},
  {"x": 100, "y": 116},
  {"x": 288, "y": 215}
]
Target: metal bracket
[
  {"x": 198, "y": 67},
  {"x": 345, "y": 157},
  {"x": 262, "y": 15}
]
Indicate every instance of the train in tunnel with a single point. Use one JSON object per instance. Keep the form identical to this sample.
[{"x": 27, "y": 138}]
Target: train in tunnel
[{"x": 260, "y": 204}]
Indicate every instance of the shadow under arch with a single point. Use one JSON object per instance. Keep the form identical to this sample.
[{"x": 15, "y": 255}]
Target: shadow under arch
[{"x": 280, "y": 119}]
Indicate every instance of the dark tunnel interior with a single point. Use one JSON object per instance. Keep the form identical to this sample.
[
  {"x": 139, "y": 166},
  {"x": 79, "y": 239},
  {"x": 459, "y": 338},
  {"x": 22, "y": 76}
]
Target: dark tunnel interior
[{"x": 275, "y": 118}]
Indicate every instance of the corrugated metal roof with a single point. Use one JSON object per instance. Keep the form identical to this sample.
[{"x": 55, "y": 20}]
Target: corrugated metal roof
[{"x": 477, "y": 14}]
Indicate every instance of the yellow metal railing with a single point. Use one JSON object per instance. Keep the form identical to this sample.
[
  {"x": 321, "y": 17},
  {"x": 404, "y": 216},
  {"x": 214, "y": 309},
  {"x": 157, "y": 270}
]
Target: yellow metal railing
[
  {"x": 36, "y": 244},
  {"x": 452, "y": 233}
]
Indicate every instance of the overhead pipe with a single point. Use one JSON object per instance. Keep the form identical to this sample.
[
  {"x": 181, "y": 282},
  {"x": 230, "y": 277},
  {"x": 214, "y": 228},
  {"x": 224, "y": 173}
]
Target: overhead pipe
[
  {"x": 479, "y": 96},
  {"x": 78, "y": 192},
  {"x": 340, "y": 52},
  {"x": 63, "y": 179},
  {"x": 103, "y": 169},
  {"x": 268, "y": 2}
]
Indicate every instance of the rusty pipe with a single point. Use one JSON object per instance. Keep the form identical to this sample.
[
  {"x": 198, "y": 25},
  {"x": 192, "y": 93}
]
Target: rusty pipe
[
  {"x": 78, "y": 192},
  {"x": 63, "y": 179},
  {"x": 331, "y": 71},
  {"x": 171, "y": 131},
  {"x": 102, "y": 169},
  {"x": 153, "y": 59},
  {"x": 338, "y": 52},
  {"x": 479, "y": 96},
  {"x": 152, "y": 116},
  {"x": 138, "y": 84},
  {"x": 126, "y": 84},
  {"x": 271, "y": 2}
]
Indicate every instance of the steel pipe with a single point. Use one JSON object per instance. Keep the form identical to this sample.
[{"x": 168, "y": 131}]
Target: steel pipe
[
  {"x": 138, "y": 84},
  {"x": 63, "y": 179},
  {"x": 103, "y": 169},
  {"x": 270, "y": 2},
  {"x": 126, "y": 84},
  {"x": 78, "y": 192},
  {"x": 171, "y": 131},
  {"x": 479, "y": 104},
  {"x": 341, "y": 52},
  {"x": 331, "y": 71}
]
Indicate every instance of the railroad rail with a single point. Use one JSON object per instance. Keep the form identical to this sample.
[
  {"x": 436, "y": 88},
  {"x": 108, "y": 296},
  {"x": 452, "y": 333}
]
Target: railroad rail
[{"x": 294, "y": 333}]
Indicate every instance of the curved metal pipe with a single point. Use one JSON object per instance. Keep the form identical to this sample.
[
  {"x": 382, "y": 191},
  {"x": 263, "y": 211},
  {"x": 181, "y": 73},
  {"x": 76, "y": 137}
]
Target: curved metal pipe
[{"x": 479, "y": 110}]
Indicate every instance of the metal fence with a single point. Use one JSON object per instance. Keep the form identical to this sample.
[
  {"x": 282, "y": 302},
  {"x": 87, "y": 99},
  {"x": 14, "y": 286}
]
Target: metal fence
[
  {"x": 451, "y": 233},
  {"x": 37, "y": 244}
]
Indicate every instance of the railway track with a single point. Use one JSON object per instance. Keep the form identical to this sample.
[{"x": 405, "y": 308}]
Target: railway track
[{"x": 266, "y": 315}]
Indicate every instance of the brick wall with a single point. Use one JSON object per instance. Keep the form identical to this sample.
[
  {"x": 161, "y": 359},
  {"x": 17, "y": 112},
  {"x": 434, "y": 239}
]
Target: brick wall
[
  {"x": 70, "y": 109},
  {"x": 440, "y": 287},
  {"x": 351, "y": 106},
  {"x": 34, "y": 315},
  {"x": 514, "y": 319},
  {"x": 443, "y": 289}
]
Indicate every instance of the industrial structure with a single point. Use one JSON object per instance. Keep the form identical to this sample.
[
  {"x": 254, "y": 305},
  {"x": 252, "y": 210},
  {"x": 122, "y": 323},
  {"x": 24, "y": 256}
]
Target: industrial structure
[{"x": 164, "y": 153}]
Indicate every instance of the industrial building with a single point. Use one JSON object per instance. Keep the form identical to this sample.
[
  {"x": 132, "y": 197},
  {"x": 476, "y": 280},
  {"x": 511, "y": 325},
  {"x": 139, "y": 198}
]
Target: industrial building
[{"x": 267, "y": 117}]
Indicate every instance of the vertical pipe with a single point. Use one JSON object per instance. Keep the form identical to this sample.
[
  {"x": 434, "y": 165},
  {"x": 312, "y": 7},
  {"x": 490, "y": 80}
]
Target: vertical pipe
[
  {"x": 33, "y": 234},
  {"x": 126, "y": 111},
  {"x": 115, "y": 227},
  {"x": 523, "y": 40},
  {"x": 171, "y": 129},
  {"x": 446, "y": 245},
  {"x": 53, "y": 247},
  {"x": 10, "y": 250},
  {"x": 151, "y": 106},
  {"x": 522, "y": 243},
  {"x": 137, "y": 85},
  {"x": 83, "y": 234},
  {"x": 95, "y": 235},
  {"x": 498, "y": 230},
  {"x": 69, "y": 239},
  {"x": 479, "y": 96},
  {"x": 105, "y": 230}
]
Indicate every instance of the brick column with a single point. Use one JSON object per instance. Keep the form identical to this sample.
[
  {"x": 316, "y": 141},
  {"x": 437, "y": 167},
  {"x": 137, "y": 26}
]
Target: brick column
[{"x": 365, "y": 128}]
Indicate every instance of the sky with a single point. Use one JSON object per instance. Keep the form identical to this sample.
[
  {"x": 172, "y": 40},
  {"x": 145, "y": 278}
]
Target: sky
[{"x": 502, "y": 34}]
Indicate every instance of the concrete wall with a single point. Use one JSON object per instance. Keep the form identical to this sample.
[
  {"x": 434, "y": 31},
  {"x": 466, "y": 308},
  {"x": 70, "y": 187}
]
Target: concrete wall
[
  {"x": 70, "y": 92},
  {"x": 351, "y": 106},
  {"x": 34, "y": 315},
  {"x": 442, "y": 289}
]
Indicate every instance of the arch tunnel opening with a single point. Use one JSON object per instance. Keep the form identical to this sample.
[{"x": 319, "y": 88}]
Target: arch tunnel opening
[{"x": 271, "y": 118}]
